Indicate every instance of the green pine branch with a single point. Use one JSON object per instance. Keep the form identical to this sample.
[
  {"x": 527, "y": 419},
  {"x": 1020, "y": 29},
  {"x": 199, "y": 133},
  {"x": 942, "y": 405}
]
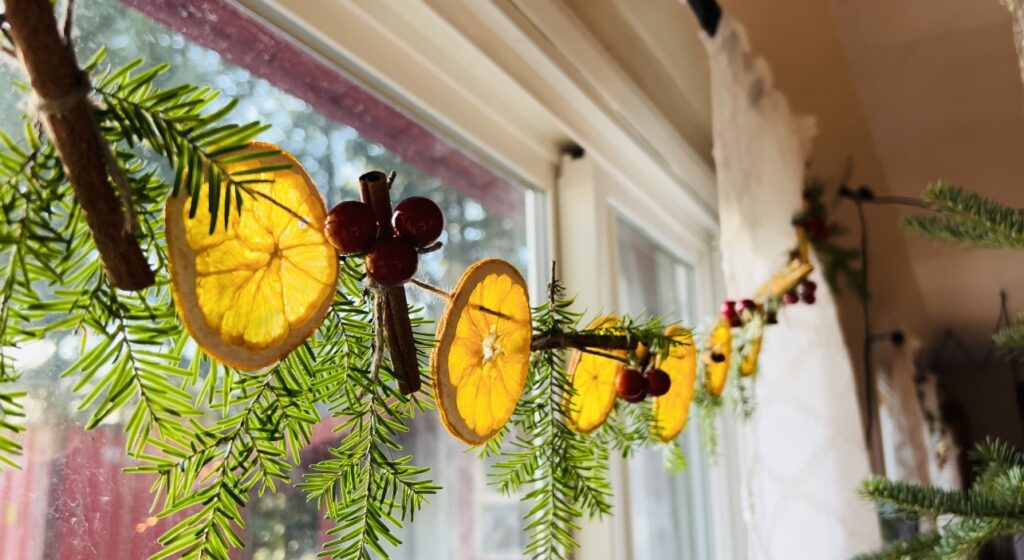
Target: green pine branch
[
  {"x": 1012, "y": 336},
  {"x": 967, "y": 218},
  {"x": 565, "y": 472},
  {"x": 919, "y": 547},
  {"x": 199, "y": 146},
  {"x": 363, "y": 488},
  {"x": 992, "y": 508}
]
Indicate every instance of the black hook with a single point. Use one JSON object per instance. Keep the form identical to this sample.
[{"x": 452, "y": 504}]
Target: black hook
[{"x": 708, "y": 13}]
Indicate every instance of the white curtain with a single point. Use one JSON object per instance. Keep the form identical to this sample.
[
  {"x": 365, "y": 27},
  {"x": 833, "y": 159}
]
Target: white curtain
[
  {"x": 1016, "y": 7},
  {"x": 803, "y": 453}
]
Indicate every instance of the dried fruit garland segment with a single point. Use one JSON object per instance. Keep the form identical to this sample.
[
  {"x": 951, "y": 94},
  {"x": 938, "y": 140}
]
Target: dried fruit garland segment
[
  {"x": 480, "y": 362},
  {"x": 251, "y": 292}
]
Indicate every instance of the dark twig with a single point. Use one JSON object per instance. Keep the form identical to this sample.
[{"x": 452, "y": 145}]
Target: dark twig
[
  {"x": 584, "y": 341},
  {"x": 69, "y": 22}
]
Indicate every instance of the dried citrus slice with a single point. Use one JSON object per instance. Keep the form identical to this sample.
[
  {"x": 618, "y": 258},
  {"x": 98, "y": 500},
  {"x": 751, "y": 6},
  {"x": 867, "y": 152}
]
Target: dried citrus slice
[
  {"x": 751, "y": 348},
  {"x": 717, "y": 353},
  {"x": 593, "y": 378},
  {"x": 673, "y": 408},
  {"x": 252, "y": 292},
  {"x": 480, "y": 362}
]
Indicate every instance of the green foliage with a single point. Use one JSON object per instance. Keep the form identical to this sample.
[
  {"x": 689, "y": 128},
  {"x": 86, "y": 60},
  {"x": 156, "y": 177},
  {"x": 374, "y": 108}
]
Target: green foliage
[
  {"x": 1012, "y": 336},
  {"x": 921, "y": 547},
  {"x": 565, "y": 472},
  {"x": 967, "y": 218},
  {"x": 198, "y": 144},
  {"x": 840, "y": 264},
  {"x": 993, "y": 507},
  {"x": 367, "y": 487}
]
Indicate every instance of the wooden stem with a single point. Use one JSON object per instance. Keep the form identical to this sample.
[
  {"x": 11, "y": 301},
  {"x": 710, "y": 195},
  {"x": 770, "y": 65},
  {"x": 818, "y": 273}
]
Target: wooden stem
[
  {"x": 61, "y": 87},
  {"x": 582, "y": 341},
  {"x": 375, "y": 190}
]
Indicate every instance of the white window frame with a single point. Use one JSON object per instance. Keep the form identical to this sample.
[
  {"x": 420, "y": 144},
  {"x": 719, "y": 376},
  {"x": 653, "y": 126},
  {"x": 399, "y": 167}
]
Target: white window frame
[{"x": 514, "y": 82}]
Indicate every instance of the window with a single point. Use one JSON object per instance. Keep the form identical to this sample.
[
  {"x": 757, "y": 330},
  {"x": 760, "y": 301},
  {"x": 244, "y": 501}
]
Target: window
[
  {"x": 668, "y": 514},
  {"x": 71, "y": 500}
]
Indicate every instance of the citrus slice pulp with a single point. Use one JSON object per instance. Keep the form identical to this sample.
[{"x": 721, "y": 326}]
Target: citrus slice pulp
[
  {"x": 480, "y": 362},
  {"x": 751, "y": 349},
  {"x": 719, "y": 344},
  {"x": 672, "y": 409},
  {"x": 253, "y": 291},
  {"x": 593, "y": 378}
]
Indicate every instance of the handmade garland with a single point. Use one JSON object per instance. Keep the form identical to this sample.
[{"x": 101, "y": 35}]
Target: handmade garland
[{"x": 298, "y": 310}]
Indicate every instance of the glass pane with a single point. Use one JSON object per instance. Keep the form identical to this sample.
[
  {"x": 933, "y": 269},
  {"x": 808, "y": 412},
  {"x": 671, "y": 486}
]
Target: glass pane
[
  {"x": 667, "y": 514},
  {"x": 71, "y": 501}
]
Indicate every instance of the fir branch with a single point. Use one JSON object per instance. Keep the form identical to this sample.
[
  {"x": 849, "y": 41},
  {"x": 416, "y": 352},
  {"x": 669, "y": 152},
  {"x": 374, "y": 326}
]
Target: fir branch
[
  {"x": 1012, "y": 336},
  {"x": 920, "y": 547},
  {"x": 968, "y": 218},
  {"x": 361, "y": 488},
  {"x": 565, "y": 471},
  {"x": 197, "y": 145}
]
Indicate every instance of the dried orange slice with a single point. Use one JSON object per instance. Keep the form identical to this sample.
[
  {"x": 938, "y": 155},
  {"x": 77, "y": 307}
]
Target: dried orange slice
[
  {"x": 252, "y": 292},
  {"x": 480, "y": 362},
  {"x": 717, "y": 353},
  {"x": 593, "y": 378},
  {"x": 751, "y": 348},
  {"x": 673, "y": 408}
]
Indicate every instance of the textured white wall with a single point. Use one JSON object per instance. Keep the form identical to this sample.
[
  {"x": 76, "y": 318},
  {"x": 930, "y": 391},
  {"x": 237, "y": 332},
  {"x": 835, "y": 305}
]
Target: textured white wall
[{"x": 803, "y": 453}]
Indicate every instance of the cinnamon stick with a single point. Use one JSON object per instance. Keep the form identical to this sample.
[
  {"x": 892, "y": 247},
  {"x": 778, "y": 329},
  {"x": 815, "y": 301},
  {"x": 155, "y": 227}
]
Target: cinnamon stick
[
  {"x": 61, "y": 86},
  {"x": 375, "y": 190}
]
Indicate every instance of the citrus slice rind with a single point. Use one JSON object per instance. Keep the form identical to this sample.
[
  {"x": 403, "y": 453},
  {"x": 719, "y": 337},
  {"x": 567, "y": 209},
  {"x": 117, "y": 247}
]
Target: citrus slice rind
[
  {"x": 719, "y": 342},
  {"x": 253, "y": 291},
  {"x": 672, "y": 409},
  {"x": 751, "y": 349},
  {"x": 480, "y": 362},
  {"x": 593, "y": 381}
]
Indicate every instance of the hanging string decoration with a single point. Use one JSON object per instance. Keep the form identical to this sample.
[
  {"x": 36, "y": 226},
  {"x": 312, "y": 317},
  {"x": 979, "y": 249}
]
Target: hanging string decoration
[{"x": 297, "y": 312}]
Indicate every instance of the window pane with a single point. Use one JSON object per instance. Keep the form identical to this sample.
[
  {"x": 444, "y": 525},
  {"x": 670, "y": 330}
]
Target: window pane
[
  {"x": 667, "y": 514},
  {"x": 71, "y": 501}
]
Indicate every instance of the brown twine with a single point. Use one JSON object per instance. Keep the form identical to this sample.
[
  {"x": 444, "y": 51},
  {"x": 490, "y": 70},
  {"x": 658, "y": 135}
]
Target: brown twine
[{"x": 61, "y": 106}]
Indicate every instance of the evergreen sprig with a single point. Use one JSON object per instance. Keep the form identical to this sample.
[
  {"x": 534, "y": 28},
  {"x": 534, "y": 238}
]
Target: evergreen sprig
[
  {"x": 992, "y": 508},
  {"x": 363, "y": 488},
  {"x": 1012, "y": 336},
  {"x": 199, "y": 145},
  {"x": 564, "y": 473},
  {"x": 968, "y": 218}
]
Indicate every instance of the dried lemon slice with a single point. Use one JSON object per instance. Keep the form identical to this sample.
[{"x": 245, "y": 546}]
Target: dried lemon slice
[
  {"x": 480, "y": 362},
  {"x": 751, "y": 348},
  {"x": 717, "y": 353},
  {"x": 673, "y": 408},
  {"x": 593, "y": 378},
  {"x": 252, "y": 292}
]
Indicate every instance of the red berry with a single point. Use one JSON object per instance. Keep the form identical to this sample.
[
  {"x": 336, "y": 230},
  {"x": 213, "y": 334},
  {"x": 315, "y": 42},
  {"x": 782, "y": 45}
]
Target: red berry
[
  {"x": 728, "y": 307},
  {"x": 808, "y": 298},
  {"x": 658, "y": 382},
  {"x": 351, "y": 227},
  {"x": 392, "y": 261},
  {"x": 790, "y": 297},
  {"x": 631, "y": 385},
  {"x": 419, "y": 220},
  {"x": 748, "y": 304},
  {"x": 809, "y": 286},
  {"x": 735, "y": 321}
]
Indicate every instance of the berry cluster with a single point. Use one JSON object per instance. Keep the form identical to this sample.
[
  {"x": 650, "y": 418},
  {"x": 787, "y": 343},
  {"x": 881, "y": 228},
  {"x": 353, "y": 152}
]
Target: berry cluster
[
  {"x": 804, "y": 293},
  {"x": 634, "y": 386},
  {"x": 392, "y": 253},
  {"x": 737, "y": 314}
]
